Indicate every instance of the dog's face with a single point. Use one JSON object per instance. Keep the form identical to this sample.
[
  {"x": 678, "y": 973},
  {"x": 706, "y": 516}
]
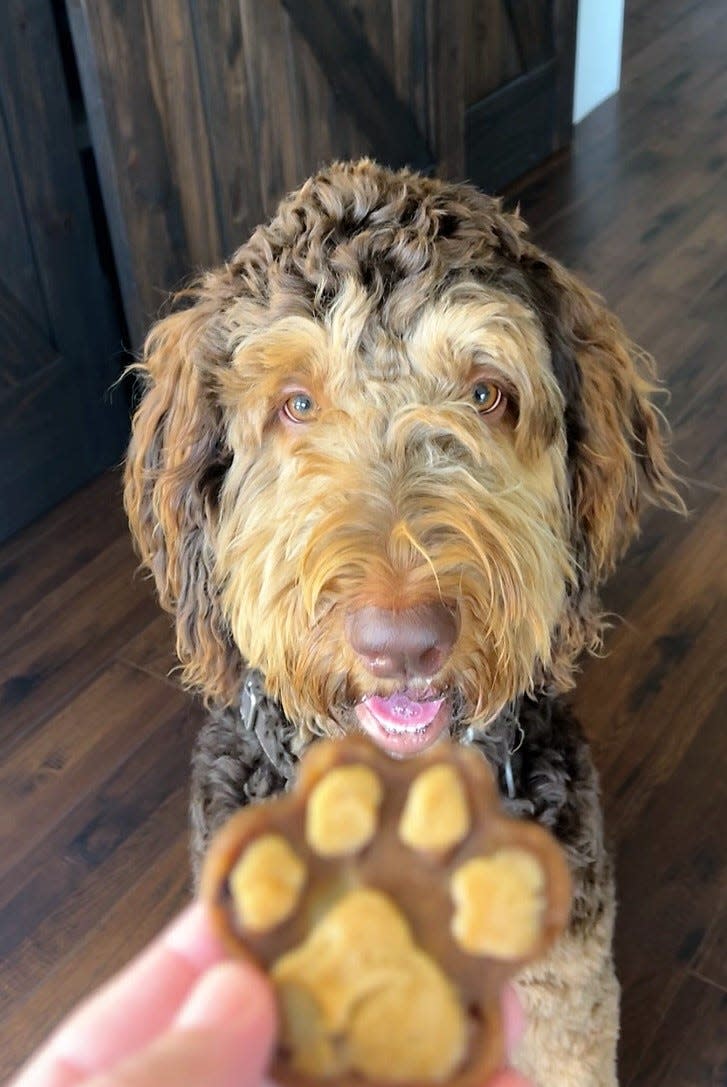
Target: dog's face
[
  {"x": 386, "y": 459},
  {"x": 416, "y": 471}
]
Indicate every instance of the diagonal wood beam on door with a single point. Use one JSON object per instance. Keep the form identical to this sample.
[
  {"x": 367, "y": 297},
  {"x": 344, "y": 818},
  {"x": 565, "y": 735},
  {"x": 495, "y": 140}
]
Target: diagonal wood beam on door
[
  {"x": 361, "y": 82},
  {"x": 24, "y": 347}
]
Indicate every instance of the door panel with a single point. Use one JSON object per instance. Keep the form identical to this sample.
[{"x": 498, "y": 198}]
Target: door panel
[
  {"x": 360, "y": 72},
  {"x": 60, "y": 344},
  {"x": 518, "y": 87},
  {"x": 18, "y": 263}
]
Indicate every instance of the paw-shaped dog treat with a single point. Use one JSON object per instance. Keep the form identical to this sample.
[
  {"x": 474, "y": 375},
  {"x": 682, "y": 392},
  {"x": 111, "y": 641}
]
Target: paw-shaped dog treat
[{"x": 388, "y": 901}]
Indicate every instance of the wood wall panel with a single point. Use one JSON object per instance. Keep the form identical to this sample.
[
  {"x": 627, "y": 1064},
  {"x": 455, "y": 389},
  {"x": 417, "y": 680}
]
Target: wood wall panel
[
  {"x": 495, "y": 59},
  {"x": 225, "y": 81},
  {"x": 119, "y": 71},
  {"x": 360, "y": 74},
  {"x": 18, "y": 272},
  {"x": 411, "y": 74},
  {"x": 376, "y": 20},
  {"x": 176, "y": 85},
  {"x": 267, "y": 45}
]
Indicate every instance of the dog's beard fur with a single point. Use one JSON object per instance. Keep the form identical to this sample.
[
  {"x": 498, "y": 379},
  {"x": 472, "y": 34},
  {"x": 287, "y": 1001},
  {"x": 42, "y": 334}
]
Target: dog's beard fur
[{"x": 398, "y": 494}]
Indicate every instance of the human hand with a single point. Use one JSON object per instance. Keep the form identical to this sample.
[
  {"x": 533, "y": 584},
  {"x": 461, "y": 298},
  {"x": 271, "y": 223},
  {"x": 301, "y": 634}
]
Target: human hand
[{"x": 181, "y": 1014}]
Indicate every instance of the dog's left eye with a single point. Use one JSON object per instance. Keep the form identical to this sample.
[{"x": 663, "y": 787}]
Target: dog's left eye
[
  {"x": 300, "y": 407},
  {"x": 487, "y": 397}
]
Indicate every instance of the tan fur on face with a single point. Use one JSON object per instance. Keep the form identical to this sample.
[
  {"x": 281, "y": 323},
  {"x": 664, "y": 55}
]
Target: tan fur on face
[
  {"x": 384, "y": 296},
  {"x": 398, "y": 493}
]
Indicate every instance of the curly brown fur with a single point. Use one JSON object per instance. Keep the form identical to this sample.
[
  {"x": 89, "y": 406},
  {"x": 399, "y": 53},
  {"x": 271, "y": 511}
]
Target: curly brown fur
[{"x": 387, "y": 297}]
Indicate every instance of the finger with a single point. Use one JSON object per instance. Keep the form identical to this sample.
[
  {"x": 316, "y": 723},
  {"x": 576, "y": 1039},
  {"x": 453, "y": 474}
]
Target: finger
[
  {"x": 132, "y": 1008},
  {"x": 231, "y": 993},
  {"x": 509, "y": 1079},
  {"x": 513, "y": 1019},
  {"x": 222, "y": 1037}
]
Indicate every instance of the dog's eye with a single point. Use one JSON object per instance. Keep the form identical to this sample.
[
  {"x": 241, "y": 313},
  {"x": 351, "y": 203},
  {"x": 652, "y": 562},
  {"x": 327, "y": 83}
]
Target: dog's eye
[
  {"x": 487, "y": 397},
  {"x": 300, "y": 407}
]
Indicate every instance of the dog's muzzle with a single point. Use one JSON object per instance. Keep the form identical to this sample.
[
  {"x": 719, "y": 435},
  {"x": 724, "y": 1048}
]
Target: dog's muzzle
[{"x": 409, "y": 647}]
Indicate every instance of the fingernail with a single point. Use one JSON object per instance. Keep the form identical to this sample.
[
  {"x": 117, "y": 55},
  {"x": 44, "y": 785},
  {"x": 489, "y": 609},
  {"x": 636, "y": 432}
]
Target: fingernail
[
  {"x": 191, "y": 936},
  {"x": 233, "y": 995}
]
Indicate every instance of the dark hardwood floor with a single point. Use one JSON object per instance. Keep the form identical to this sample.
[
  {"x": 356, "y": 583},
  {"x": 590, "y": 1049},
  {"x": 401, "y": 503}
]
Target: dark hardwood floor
[{"x": 95, "y": 736}]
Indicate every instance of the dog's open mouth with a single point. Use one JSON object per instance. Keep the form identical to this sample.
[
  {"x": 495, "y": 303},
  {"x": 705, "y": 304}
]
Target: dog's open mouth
[{"x": 404, "y": 723}]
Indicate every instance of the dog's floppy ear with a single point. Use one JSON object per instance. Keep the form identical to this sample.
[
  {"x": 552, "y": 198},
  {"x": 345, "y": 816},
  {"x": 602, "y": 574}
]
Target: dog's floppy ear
[
  {"x": 616, "y": 434},
  {"x": 175, "y": 464}
]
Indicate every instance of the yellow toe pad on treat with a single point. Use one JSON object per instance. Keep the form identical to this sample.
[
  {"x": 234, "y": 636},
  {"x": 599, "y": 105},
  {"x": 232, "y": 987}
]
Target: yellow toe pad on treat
[
  {"x": 436, "y": 815},
  {"x": 266, "y": 883},
  {"x": 499, "y": 902},
  {"x": 343, "y": 811}
]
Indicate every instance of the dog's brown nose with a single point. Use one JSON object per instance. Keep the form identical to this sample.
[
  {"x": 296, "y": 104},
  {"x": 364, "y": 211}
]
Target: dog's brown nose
[{"x": 403, "y": 644}]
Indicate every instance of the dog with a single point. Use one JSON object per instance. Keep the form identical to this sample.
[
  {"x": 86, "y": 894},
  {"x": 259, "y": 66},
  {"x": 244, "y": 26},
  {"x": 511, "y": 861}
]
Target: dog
[{"x": 384, "y": 460}]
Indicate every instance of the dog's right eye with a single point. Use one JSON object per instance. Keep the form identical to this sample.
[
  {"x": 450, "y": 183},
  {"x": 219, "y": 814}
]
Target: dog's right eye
[
  {"x": 300, "y": 407},
  {"x": 488, "y": 397}
]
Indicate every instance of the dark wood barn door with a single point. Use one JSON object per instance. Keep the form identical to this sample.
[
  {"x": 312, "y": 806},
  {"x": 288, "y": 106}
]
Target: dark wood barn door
[
  {"x": 59, "y": 341},
  {"x": 516, "y": 86},
  {"x": 204, "y": 112}
]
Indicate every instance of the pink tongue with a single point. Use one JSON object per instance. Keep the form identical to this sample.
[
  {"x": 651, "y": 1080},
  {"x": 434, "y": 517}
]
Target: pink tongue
[{"x": 401, "y": 711}]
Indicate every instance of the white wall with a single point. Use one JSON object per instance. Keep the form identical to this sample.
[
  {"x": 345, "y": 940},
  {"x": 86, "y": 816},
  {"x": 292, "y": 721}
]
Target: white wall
[{"x": 598, "y": 54}]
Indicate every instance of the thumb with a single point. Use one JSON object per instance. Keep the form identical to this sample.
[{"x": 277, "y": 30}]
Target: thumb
[{"x": 222, "y": 1037}]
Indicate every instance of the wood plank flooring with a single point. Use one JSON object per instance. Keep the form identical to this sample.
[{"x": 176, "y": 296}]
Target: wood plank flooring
[{"x": 95, "y": 736}]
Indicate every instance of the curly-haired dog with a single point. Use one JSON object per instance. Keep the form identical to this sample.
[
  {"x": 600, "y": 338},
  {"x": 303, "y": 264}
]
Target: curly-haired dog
[{"x": 383, "y": 462}]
